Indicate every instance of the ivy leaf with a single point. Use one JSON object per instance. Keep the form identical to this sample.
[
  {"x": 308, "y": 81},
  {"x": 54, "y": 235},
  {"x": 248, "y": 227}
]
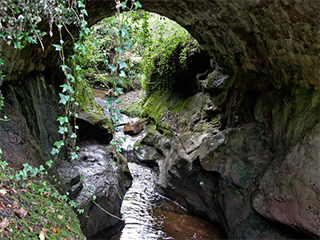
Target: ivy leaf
[
  {"x": 127, "y": 45},
  {"x": 122, "y": 64},
  {"x": 122, "y": 74},
  {"x": 70, "y": 77},
  {"x": 49, "y": 163},
  {"x": 58, "y": 47},
  {"x": 84, "y": 12},
  {"x": 62, "y": 130},
  {"x": 63, "y": 99},
  {"x": 118, "y": 91},
  {"x": 113, "y": 142},
  {"x": 137, "y": 5},
  {"x": 118, "y": 81},
  {"x": 65, "y": 88},
  {"x": 64, "y": 67},
  {"x": 118, "y": 49},
  {"x": 58, "y": 144},
  {"x": 3, "y": 164},
  {"x": 123, "y": 33},
  {"x": 112, "y": 68},
  {"x": 81, "y": 5},
  {"x": 74, "y": 156},
  {"x": 54, "y": 151},
  {"x": 80, "y": 211},
  {"x": 62, "y": 120},
  {"x": 73, "y": 135}
]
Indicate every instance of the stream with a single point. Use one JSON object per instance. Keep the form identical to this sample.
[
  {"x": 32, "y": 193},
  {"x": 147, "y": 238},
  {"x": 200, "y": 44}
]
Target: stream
[{"x": 149, "y": 215}]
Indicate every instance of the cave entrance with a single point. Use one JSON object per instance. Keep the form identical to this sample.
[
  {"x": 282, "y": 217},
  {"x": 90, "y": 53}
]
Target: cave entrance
[
  {"x": 147, "y": 51},
  {"x": 143, "y": 52}
]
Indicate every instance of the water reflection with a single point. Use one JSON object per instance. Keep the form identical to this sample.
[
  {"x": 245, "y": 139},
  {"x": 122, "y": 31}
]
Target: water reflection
[
  {"x": 148, "y": 215},
  {"x": 137, "y": 208}
]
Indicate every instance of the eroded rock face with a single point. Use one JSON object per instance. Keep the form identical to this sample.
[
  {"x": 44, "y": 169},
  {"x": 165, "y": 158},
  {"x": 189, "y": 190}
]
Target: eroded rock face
[
  {"x": 96, "y": 174},
  {"x": 32, "y": 108},
  {"x": 278, "y": 39},
  {"x": 217, "y": 170},
  {"x": 289, "y": 191}
]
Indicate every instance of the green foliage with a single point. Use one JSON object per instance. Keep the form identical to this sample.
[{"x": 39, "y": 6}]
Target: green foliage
[
  {"x": 116, "y": 40},
  {"x": 25, "y": 16},
  {"x": 34, "y": 208},
  {"x": 19, "y": 21},
  {"x": 5, "y": 118},
  {"x": 168, "y": 49},
  {"x": 3, "y": 164}
]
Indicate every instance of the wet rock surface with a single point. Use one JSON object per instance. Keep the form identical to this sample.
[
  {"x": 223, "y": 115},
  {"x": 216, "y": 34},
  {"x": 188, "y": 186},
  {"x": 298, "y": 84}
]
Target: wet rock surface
[{"x": 96, "y": 181}]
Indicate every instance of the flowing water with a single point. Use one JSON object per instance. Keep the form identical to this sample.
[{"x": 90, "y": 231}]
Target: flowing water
[{"x": 149, "y": 215}]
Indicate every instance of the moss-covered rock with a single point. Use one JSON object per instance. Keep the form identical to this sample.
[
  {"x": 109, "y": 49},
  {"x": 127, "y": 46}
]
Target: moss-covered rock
[{"x": 94, "y": 126}]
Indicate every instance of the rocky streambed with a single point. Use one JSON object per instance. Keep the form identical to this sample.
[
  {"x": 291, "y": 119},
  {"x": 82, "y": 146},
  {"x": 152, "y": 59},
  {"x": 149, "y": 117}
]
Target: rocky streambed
[
  {"x": 149, "y": 215},
  {"x": 102, "y": 178},
  {"x": 215, "y": 172}
]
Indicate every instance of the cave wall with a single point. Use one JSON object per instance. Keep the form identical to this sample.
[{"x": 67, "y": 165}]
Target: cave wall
[{"x": 31, "y": 104}]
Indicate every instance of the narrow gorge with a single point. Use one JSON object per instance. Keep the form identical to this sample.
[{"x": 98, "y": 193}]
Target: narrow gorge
[{"x": 238, "y": 146}]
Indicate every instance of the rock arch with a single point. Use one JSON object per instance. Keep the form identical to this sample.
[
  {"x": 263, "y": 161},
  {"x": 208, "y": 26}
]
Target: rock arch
[
  {"x": 263, "y": 36},
  {"x": 271, "y": 50}
]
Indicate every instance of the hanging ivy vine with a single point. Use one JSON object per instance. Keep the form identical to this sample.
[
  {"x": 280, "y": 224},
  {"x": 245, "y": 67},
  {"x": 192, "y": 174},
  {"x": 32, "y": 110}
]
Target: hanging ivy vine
[{"x": 19, "y": 22}]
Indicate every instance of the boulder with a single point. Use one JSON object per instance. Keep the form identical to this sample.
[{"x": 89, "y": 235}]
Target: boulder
[
  {"x": 97, "y": 184},
  {"x": 134, "y": 126},
  {"x": 217, "y": 81},
  {"x": 94, "y": 127}
]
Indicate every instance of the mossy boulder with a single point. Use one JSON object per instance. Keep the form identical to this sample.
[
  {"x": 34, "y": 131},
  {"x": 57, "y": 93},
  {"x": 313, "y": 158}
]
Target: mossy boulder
[{"x": 94, "y": 126}]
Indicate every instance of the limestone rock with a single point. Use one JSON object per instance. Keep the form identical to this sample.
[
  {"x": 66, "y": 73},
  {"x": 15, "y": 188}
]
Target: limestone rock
[
  {"x": 102, "y": 181},
  {"x": 134, "y": 126}
]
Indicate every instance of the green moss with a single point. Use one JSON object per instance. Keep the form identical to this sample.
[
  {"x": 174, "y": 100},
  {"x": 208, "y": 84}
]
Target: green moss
[
  {"x": 133, "y": 109},
  {"x": 155, "y": 106},
  {"x": 182, "y": 104},
  {"x": 164, "y": 109},
  {"x": 97, "y": 119}
]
